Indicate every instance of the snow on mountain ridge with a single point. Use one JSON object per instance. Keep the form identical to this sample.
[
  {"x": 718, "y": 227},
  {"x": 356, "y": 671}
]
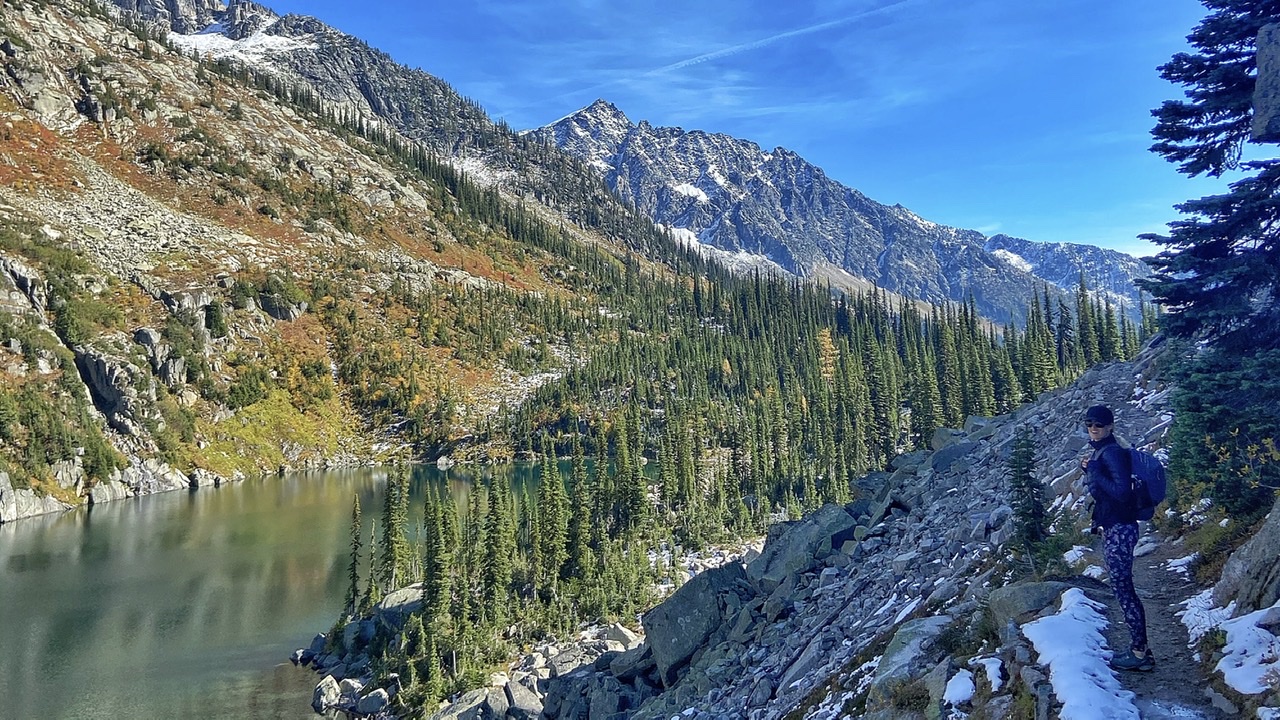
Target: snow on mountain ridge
[
  {"x": 779, "y": 205},
  {"x": 213, "y": 43}
]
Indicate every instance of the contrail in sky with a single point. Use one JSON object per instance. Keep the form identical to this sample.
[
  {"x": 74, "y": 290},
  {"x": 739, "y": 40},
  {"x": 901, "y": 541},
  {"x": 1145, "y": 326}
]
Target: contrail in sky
[
  {"x": 763, "y": 42},
  {"x": 744, "y": 47}
]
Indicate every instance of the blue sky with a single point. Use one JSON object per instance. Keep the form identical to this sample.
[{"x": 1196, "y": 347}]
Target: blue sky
[{"x": 1028, "y": 118}]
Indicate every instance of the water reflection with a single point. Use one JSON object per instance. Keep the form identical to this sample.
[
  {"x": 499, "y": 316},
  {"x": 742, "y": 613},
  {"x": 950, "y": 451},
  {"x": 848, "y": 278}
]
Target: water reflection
[{"x": 184, "y": 605}]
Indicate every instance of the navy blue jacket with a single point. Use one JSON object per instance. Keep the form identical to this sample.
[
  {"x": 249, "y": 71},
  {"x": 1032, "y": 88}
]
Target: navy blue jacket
[{"x": 1109, "y": 479}]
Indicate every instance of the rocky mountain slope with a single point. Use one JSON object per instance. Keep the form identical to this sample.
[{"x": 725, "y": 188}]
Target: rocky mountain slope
[
  {"x": 362, "y": 81},
  {"x": 206, "y": 273},
  {"x": 776, "y": 208}
]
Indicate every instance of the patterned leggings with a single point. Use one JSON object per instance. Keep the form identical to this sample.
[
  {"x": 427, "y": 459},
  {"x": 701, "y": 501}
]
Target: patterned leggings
[{"x": 1119, "y": 541}]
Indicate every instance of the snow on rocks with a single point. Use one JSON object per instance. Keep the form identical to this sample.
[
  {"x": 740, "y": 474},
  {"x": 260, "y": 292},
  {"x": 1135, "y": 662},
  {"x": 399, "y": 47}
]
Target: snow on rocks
[
  {"x": 1075, "y": 557},
  {"x": 1182, "y": 565},
  {"x": 1071, "y": 644},
  {"x": 994, "y": 670},
  {"x": 960, "y": 688},
  {"x": 1251, "y": 658}
]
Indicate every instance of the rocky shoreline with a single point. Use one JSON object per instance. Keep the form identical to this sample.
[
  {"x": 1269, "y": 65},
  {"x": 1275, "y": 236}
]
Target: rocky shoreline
[{"x": 142, "y": 477}]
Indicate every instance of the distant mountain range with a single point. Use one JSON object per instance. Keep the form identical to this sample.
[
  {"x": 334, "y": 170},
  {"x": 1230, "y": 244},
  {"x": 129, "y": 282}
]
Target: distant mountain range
[
  {"x": 775, "y": 209},
  {"x": 724, "y": 196}
]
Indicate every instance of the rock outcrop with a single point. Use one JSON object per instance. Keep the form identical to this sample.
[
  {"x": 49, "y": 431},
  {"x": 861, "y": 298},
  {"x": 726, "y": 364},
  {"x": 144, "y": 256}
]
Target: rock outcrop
[
  {"x": 118, "y": 388},
  {"x": 184, "y": 16},
  {"x": 23, "y": 502},
  {"x": 1251, "y": 576}
]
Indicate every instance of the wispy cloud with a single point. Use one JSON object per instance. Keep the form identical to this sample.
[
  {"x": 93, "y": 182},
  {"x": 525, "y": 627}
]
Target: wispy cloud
[
  {"x": 668, "y": 75},
  {"x": 779, "y": 37}
]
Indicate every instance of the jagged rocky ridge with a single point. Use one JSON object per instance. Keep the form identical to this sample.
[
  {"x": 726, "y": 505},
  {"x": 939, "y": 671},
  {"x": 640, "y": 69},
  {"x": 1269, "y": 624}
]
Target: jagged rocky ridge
[{"x": 777, "y": 209}]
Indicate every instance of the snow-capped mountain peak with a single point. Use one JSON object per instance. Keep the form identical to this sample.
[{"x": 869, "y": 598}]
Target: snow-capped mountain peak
[{"x": 734, "y": 196}]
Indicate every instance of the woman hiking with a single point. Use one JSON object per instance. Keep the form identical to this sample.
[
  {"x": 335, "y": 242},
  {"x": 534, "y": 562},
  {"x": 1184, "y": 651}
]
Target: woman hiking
[{"x": 1108, "y": 473}]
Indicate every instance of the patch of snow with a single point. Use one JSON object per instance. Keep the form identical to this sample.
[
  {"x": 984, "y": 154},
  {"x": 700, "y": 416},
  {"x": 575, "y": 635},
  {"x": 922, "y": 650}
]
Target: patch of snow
[
  {"x": 212, "y": 43},
  {"x": 1014, "y": 259},
  {"x": 1071, "y": 644},
  {"x": 476, "y": 169},
  {"x": 740, "y": 261},
  {"x": 1201, "y": 616},
  {"x": 867, "y": 670},
  {"x": 1252, "y": 653},
  {"x": 887, "y": 604},
  {"x": 906, "y": 610},
  {"x": 1268, "y": 713},
  {"x": 1075, "y": 555},
  {"x": 691, "y": 191},
  {"x": 1182, "y": 565},
  {"x": 993, "y": 667},
  {"x": 960, "y": 688},
  {"x": 1094, "y": 571}
]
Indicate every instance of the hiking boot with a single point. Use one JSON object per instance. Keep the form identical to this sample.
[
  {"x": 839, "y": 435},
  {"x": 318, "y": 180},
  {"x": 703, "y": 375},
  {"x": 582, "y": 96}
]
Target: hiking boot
[{"x": 1132, "y": 661}]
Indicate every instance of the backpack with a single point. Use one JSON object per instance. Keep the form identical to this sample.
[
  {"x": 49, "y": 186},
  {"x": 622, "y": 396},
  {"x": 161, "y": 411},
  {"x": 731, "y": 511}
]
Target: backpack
[{"x": 1149, "y": 482}]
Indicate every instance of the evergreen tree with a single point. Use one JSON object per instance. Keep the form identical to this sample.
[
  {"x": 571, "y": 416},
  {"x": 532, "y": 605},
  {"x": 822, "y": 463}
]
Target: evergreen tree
[
  {"x": 553, "y": 523},
  {"x": 1216, "y": 279},
  {"x": 393, "y": 563},
  {"x": 1086, "y": 332},
  {"x": 433, "y": 677},
  {"x": 351, "y": 605},
  {"x": 949, "y": 375},
  {"x": 1111, "y": 347},
  {"x": 499, "y": 550},
  {"x": 372, "y": 595},
  {"x": 435, "y": 558},
  {"x": 578, "y": 541},
  {"x": 1027, "y": 493}
]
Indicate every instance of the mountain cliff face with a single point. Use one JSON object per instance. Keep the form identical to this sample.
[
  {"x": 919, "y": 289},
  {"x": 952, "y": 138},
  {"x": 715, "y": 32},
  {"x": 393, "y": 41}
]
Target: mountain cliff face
[
  {"x": 725, "y": 197},
  {"x": 184, "y": 16},
  {"x": 732, "y": 195}
]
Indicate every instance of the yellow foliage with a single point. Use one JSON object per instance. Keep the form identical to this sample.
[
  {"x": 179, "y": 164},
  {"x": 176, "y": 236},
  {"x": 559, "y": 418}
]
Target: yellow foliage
[
  {"x": 255, "y": 439},
  {"x": 827, "y": 354}
]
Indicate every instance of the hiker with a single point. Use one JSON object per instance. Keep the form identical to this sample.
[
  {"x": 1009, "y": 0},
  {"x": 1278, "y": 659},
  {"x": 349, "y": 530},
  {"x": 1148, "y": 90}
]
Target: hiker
[{"x": 1108, "y": 472}]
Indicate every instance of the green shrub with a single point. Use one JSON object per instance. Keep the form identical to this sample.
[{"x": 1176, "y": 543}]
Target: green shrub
[
  {"x": 909, "y": 695},
  {"x": 215, "y": 319},
  {"x": 252, "y": 385}
]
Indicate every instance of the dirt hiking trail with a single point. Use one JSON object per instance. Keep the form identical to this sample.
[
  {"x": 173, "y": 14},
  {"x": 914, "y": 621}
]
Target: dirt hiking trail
[{"x": 1177, "y": 688}]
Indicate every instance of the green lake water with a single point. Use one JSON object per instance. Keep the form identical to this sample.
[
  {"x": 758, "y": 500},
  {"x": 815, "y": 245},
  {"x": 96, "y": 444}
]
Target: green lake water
[{"x": 186, "y": 604}]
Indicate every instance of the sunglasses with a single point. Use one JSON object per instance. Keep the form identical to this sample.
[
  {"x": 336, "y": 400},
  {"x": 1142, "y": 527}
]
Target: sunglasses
[{"x": 1094, "y": 425}]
